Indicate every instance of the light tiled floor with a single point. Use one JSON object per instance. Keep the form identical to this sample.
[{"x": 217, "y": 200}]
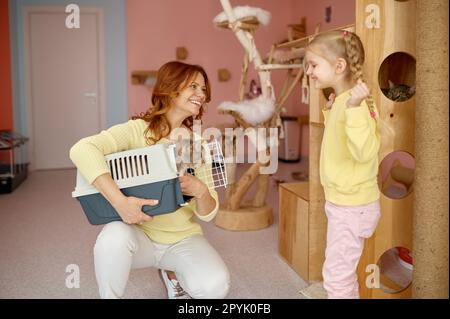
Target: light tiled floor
[{"x": 43, "y": 231}]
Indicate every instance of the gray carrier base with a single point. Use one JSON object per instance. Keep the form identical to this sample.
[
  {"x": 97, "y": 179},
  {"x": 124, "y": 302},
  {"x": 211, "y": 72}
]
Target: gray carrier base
[
  {"x": 151, "y": 173},
  {"x": 99, "y": 211}
]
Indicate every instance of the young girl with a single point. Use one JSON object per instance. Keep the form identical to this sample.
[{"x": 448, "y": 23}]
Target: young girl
[
  {"x": 190, "y": 267},
  {"x": 349, "y": 156}
]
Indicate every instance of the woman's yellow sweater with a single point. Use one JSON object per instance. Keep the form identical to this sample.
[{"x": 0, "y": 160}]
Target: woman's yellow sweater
[{"x": 88, "y": 155}]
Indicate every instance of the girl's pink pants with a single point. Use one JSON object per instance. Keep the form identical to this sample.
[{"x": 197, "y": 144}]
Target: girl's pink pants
[{"x": 348, "y": 226}]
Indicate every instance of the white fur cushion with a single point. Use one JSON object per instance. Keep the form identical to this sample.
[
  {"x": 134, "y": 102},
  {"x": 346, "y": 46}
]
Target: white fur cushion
[
  {"x": 263, "y": 16},
  {"x": 255, "y": 111}
]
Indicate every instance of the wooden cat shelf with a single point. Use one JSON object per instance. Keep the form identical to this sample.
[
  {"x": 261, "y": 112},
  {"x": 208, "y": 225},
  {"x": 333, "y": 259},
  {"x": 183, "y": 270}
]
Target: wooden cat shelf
[
  {"x": 250, "y": 24},
  {"x": 303, "y": 42},
  {"x": 139, "y": 77}
]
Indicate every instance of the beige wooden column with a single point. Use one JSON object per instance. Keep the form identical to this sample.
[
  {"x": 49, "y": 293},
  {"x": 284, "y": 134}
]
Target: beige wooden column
[{"x": 431, "y": 206}]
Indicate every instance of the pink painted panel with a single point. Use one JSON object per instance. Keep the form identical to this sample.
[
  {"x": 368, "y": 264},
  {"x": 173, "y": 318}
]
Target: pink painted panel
[
  {"x": 156, "y": 28},
  {"x": 343, "y": 13},
  {"x": 6, "y": 113}
]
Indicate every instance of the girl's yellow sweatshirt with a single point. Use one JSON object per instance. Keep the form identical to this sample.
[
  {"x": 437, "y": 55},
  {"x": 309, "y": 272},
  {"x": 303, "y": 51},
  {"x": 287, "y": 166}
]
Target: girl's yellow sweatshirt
[{"x": 349, "y": 154}]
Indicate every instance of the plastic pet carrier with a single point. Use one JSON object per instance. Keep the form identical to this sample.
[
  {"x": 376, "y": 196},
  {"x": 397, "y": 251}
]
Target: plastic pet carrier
[
  {"x": 13, "y": 163},
  {"x": 151, "y": 172}
]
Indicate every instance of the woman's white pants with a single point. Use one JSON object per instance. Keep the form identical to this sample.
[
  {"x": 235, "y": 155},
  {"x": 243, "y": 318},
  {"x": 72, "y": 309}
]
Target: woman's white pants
[{"x": 121, "y": 247}]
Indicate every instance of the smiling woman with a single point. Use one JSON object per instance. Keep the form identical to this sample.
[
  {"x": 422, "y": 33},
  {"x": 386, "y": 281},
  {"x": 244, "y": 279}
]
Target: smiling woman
[
  {"x": 190, "y": 266},
  {"x": 190, "y": 100}
]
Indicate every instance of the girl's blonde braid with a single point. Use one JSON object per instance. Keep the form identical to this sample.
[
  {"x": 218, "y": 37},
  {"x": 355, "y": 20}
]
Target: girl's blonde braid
[{"x": 355, "y": 56}]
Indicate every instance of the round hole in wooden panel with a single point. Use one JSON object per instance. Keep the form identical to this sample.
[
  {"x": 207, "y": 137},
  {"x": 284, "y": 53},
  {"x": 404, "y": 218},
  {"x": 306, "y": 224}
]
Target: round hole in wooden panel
[
  {"x": 397, "y": 77},
  {"x": 396, "y": 267},
  {"x": 396, "y": 175}
]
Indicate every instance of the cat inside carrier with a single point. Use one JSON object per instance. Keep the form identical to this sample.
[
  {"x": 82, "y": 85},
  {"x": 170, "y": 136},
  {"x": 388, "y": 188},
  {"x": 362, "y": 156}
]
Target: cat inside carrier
[{"x": 152, "y": 173}]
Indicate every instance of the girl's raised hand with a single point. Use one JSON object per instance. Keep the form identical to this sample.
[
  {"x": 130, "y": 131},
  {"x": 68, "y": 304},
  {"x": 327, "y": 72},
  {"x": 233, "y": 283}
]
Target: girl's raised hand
[{"x": 358, "y": 94}]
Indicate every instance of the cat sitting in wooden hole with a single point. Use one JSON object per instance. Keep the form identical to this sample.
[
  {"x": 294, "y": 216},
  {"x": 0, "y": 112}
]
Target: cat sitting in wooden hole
[{"x": 399, "y": 92}]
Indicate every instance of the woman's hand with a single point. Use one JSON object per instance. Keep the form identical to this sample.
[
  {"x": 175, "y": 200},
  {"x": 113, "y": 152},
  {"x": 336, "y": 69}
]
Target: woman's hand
[
  {"x": 358, "y": 94},
  {"x": 192, "y": 186},
  {"x": 130, "y": 209}
]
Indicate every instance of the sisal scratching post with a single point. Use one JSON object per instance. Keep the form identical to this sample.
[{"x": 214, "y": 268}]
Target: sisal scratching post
[{"x": 430, "y": 226}]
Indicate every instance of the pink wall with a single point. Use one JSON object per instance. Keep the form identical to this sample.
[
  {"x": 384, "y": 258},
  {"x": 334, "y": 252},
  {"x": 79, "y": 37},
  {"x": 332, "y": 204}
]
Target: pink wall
[
  {"x": 343, "y": 13},
  {"x": 156, "y": 28}
]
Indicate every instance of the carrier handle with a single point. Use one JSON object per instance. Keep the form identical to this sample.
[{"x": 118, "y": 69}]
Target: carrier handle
[
  {"x": 149, "y": 209},
  {"x": 191, "y": 171},
  {"x": 179, "y": 201}
]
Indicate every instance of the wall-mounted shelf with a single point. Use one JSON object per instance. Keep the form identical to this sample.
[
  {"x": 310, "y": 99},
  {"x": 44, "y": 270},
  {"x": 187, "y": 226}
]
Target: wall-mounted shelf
[{"x": 140, "y": 77}]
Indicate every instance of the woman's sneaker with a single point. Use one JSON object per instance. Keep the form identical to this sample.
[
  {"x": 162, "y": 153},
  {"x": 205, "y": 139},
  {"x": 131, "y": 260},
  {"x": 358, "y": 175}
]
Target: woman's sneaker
[{"x": 174, "y": 289}]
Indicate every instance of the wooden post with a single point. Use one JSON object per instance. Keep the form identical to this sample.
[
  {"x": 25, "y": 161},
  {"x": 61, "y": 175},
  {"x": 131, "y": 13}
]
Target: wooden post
[
  {"x": 387, "y": 31},
  {"x": 261, "y": 191},
  {"x": 243, "y": 76},
  {"x": 243, "y": 185}
]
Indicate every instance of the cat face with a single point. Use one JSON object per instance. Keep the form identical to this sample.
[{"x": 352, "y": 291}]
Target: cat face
[
  {"x": 399, "y": 92},
  {"x": 188, "y": 153}
]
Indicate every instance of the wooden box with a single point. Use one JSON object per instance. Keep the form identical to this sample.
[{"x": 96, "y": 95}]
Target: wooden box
[{"x": 300, "y": 244}]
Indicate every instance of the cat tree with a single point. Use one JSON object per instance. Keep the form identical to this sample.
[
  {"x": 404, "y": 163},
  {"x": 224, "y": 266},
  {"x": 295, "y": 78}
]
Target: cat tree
[
  {"x": 386, "y": 28},
  {"x": 381, "y": 38},
  {"x": 243, "y": 21}
]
